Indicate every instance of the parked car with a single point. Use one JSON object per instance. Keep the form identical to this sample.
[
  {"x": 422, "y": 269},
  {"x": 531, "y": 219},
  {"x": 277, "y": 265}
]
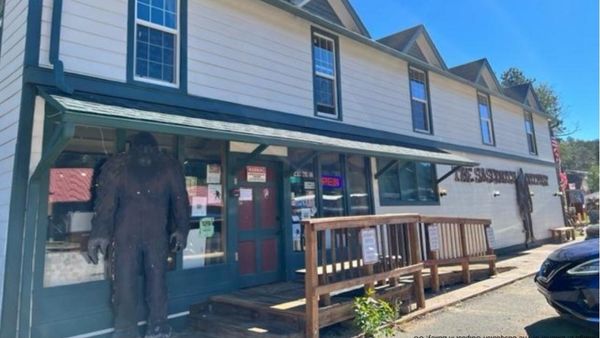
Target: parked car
[
  {"x": 592, "y": 231},
  {"x": 569, "y": 281}
]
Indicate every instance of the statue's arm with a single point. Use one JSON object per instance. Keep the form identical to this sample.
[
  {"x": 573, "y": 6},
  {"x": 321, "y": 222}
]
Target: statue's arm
[{"x": 179, "y": 201}]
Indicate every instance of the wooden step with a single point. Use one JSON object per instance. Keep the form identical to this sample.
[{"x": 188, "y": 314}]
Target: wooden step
[{"x": 212, "y": 325}]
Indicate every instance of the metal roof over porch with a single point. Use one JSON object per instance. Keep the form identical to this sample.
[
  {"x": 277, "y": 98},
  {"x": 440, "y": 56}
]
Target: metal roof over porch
[{"x": 80, "y": 110}]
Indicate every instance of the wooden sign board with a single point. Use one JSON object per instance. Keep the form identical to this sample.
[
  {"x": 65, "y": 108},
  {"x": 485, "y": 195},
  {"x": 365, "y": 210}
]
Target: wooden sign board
[{"x": 368, "y": 241}]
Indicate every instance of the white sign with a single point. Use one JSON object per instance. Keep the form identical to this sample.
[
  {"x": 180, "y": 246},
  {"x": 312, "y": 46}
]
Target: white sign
[
  {"x": 213, "y": 173},
  {"x": 256, "y": 174},
  {"x": 369, "y": 246},
  {"x": 309, "y": 185},
  {"x": 245, "y": 194},
  {"x": 489, "y": 233},
  {"x": 434, "y": 237},
  {"x": 215, "y": 194},
  {"x": 199, "y": 206}
]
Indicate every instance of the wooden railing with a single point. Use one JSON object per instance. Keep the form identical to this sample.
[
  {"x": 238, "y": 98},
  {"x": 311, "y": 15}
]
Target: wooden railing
[
  {"x": 459, "y": 241},
  {"x": 336, "y": 258}
]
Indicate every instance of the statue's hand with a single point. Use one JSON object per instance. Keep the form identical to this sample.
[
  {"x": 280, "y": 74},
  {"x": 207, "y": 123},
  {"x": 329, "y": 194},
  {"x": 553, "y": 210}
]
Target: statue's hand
[
  {"x": 177, "y": 241},
  {"x": 95, "y": 245}
]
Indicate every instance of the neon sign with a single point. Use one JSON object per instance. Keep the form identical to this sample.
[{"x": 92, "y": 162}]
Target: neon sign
[{"x": 331, "y": 181}]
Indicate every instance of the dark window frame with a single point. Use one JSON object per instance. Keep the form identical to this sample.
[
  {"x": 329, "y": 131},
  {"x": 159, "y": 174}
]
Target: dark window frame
[
  {"x": 385, "y": 202},
  {"x": 491, "y": 119},
  {"x": 531, "y": 142},
  {"x": 2, "y": 10},
  {"x": 429, "y": 116},
  {"x": 338, "y": 88}
]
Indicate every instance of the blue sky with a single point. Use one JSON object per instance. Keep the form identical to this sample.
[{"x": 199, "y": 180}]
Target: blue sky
[{"x": 553, "y": 41}]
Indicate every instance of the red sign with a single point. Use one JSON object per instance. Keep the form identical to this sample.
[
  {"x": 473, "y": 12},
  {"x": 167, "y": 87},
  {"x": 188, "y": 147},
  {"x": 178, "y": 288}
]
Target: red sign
[
  {"x": 331, "y": 181},
  {"x": 256, "y": 174}
]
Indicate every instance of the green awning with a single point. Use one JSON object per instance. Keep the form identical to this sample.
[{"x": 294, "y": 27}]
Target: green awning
[{"x": 82, "y": 111}]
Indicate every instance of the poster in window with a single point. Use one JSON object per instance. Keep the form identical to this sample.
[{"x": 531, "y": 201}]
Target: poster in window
[
  {"x": 213, "y": 173},
  {"x": 215, "y": 194},
  {"x": 199, "y": 206},
  {"x": 245, "y": 194}
]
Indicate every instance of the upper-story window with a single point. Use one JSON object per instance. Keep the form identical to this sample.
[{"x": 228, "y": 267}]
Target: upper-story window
[
  {"x": 326, "y": 77},
  {"x": 530, "y": 131},
  {"x": 485, "y": 119},
  {"x": 419, "y": 100},
  {"x": 157, "y": 41}
]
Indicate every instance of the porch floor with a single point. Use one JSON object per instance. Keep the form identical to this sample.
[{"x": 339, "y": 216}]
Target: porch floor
[{"x": 278, "y": 310}]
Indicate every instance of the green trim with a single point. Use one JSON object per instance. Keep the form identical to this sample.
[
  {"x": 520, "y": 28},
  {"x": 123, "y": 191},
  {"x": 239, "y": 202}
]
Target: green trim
[
  {"x": 59, "y": 69},
  {"x": 283, "y": 5},
  {"x": 338, "y": 85},
  {"x": 210, "y": 108}
]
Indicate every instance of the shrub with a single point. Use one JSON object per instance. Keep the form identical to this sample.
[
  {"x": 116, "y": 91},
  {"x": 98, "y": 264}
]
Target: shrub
[{"x": 373, "y": 316}]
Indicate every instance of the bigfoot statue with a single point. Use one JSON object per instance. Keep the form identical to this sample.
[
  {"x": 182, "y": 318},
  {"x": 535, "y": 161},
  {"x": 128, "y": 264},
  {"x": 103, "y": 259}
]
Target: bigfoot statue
[{"x": 139, "y": 193}]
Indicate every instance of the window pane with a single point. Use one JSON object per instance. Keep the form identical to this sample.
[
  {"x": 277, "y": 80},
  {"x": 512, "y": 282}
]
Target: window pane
[
  {"x": 203, "y": 167},
  {"x": 157, "y": 47},
  {"x": 332, "y": 185},
  {"x": 358, "y": 185},
  {"x": 323, "y": 56},
  {"x": 484, "y": 111},
  {"x": 486, "y": 132},
  {"x": 426, "y": 181},
  {"x": 417, "y": 90},
  {"x": 419, "y": 115},
  {"x": 408, "y": 181},
  {"x": 71, "y": 207},
  {"x": 389, "y": 183},
  {"x": 325, "y": 95},
  {"x": 143, "y": 12},
  {"x": 303, "y": 190}
]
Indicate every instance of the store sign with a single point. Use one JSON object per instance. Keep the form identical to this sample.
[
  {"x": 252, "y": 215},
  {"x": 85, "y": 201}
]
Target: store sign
[
  {"x": 486, "y": 175},
  {"x": 256, "y": 174},
  {"x": 368, "y": 241},
  {"x": 331, "y": 181}
]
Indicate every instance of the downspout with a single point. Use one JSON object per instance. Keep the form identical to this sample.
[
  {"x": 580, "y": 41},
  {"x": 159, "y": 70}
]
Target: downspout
[{"x": 59, "y": 69}]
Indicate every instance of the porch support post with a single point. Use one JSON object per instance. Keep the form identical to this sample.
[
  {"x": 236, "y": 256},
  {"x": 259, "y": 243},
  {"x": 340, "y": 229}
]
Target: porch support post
[
  {"x": 311, "y": 282},
  {"x": 419, "y": 288},
  {"x": 466, "y": 274}
]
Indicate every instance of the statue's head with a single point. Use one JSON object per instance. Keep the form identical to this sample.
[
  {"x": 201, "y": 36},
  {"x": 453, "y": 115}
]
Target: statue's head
[{"x": 144, "y": 148}]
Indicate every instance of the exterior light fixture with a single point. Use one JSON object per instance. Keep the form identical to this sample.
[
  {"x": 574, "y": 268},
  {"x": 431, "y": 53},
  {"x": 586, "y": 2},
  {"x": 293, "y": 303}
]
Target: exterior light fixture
[
  {"x": 558, "y": 193},
  {"x": 443, "y": 192},
  {"x": 496, "y": 193}
]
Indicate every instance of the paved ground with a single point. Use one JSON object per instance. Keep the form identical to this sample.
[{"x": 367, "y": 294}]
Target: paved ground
[{"x": 514, "y": 310}]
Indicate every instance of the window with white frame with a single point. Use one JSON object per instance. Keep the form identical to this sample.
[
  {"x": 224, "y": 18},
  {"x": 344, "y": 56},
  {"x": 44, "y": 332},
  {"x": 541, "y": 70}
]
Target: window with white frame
[
  {"x": 419, "y": 101},
  {"x": 530, "y": 131},
  {"x": 325, "y": 76},
  {"x": 157, "y": 41},
  {"x": 485, "y": 119}
]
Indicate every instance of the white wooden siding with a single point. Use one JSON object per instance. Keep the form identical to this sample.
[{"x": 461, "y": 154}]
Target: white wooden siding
[
  {"x": 11, "y": 84},
  {"x": 477, "y": 200},
  {"x": 93, "y": 37},
  {"x": 251, "y": 53}
]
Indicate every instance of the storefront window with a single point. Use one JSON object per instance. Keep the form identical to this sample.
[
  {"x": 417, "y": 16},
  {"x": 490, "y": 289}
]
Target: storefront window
[
  {"x": 303, "y": 194},
  {"x": 203, "y": 169},
  {"x": 358, "y": 189},
  {"x": 407, "y": 183},
  {"x": 332, "y": 185},
  {"x": 70, "y": 207}
]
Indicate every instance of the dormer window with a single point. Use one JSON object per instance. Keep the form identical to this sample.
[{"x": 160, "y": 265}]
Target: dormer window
[
  {"x": 485, "y": 119},
  {"x": 157, "y": 41}
]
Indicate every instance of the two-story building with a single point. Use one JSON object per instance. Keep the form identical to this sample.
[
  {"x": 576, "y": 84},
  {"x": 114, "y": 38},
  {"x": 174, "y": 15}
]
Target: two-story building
[{"x": 278, "y": 110}]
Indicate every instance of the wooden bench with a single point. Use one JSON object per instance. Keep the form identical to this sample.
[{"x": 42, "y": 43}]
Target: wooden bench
[{"x": 568, "y": 232}]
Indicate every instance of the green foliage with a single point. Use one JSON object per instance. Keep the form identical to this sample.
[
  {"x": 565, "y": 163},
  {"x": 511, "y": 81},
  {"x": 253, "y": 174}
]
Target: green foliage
[
  {"x": 592, "y": 178},
  {"x": 372, "y": 314},
  {"x": 578, "y": 154},
  {"x": 547, "y": 97}
]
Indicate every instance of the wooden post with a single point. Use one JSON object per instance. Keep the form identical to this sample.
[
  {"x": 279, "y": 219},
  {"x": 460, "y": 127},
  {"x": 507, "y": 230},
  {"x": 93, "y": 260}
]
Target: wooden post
[
  {"x": 414, "y": 258},
  {"x": 433, "y": 269},
  {"x": 465, "y": 254},
  {"x": 311, "y": 282}
]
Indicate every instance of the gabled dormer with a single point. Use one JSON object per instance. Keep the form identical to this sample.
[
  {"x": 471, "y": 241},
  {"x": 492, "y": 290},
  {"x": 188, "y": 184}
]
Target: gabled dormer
[
  {"x": 525, "y": 94},
  {"x": 339, "y": 12},
  {"x": 417, "y": 43},
  {"x": 479, "y": 72}
]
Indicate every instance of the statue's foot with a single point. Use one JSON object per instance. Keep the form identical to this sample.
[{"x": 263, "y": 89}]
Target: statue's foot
[{"x": 159, "y": 331}]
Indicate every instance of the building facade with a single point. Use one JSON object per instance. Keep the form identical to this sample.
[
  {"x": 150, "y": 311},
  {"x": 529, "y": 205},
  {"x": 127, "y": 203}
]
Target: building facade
[{"x": 277, "y": 109}]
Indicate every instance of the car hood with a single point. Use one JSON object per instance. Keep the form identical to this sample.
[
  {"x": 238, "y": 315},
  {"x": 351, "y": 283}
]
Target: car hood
[{"x": 576, "y": 251}]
